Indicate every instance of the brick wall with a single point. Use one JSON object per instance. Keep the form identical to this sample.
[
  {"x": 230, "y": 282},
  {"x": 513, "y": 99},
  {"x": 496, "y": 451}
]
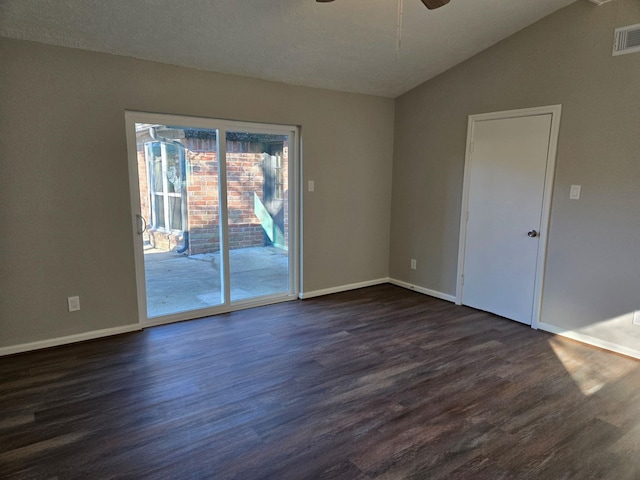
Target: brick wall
[
  {"x": 202, "y": 196},
  {"x": 244, "y": 179}
]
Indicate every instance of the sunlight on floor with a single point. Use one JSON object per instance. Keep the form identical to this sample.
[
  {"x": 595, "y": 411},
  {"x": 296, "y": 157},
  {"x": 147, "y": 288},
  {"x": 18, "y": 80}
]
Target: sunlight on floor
[{"x": 588, "y": 366}]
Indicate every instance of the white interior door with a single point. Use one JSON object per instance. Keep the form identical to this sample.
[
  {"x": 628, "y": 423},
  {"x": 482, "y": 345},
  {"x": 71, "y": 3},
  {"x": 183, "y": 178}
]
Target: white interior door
[{"x": 507, "y": 173}]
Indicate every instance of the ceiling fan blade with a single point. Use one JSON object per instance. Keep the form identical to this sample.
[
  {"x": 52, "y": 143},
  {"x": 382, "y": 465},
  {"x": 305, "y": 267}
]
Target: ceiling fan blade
[{"x": 432, "y": 4}]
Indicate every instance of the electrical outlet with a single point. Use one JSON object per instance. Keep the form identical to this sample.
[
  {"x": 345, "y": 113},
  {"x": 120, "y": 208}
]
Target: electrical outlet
[
  {"x": 414, "y": 264},
  {"x": 636, "y": 317},
  {"x": 74, "y": 304}
]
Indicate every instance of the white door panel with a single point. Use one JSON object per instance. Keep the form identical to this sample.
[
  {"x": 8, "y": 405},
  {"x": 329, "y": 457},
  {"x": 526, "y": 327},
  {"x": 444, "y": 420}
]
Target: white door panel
[{"x": 505, "y": 199}]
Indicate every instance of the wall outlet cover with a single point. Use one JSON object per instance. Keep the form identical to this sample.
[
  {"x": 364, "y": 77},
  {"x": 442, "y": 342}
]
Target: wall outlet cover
[
  {"x": 636, "y": 317},
  {"x": 574, "y": 192},
  {"x": 74, "y": 304}
]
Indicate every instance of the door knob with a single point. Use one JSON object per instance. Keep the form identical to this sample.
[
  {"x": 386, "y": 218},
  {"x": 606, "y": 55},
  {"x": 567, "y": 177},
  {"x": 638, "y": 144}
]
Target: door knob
[{"x": 532, "y": 234}]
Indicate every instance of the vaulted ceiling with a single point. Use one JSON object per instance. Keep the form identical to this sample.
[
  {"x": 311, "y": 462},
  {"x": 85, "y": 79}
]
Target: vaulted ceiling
[{"x": 346, "y": 45}]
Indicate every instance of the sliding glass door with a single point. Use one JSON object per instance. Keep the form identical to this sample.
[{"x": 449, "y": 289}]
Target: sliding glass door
[
  {"x": 258, "y": 220},
  {"x": 214, "y": 214}
]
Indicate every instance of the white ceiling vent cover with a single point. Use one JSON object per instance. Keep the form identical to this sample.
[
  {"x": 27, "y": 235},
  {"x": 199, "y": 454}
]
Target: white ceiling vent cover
[{"x": 627, "y": 40}]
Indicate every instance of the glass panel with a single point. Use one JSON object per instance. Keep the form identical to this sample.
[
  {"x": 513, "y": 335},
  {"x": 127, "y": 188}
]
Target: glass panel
[
  {"x": 159, "y": 212},
  {"x": 174, "y": 170},
  {"x": 175, "y": 213},
  {"x": 158, "y": 184},
  {"x": 258, "y": 214},
  {"x": 182, "y": 244}
]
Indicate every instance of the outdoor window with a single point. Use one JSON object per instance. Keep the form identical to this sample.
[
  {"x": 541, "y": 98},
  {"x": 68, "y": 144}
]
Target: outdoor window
[
  {"x": 279, "y": 180},
  {"x": 166, "y": 168}
]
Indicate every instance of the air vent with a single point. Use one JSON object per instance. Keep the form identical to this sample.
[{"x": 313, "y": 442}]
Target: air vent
[{"x": 627, "y": 40}]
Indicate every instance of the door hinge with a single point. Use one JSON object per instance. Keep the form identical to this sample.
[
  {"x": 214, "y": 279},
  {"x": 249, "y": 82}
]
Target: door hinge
[
  {"x": 472, "y": 146},
  {"x": 462, "y": 279},
  {"x": 466, "y": 215}
]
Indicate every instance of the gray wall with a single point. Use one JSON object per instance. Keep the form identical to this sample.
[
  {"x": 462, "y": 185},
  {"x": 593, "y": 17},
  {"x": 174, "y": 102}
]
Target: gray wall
[
  {"x": 66, "y": 218},
  {"x": 592, "y": 279}
]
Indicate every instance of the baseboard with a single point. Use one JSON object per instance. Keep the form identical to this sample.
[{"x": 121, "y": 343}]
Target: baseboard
[
  {"x": 342, "y": 288},
  {"x": 425, "y": 291},
  {"x": 589, "y": 340},
  {"x": 79, "y": 337}
]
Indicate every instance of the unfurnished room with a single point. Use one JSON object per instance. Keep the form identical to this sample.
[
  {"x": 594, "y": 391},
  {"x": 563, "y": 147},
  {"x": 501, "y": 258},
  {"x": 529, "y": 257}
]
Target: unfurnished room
[{"x": 318, "y": 239}]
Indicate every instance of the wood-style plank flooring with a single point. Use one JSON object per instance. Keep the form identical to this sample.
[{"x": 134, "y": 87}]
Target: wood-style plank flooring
[{"x": 378, "y": 383}]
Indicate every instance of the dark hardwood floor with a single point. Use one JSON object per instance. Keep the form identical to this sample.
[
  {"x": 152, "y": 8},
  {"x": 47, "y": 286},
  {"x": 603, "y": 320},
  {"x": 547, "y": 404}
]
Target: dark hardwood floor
[{"x": 378, "y": 383}]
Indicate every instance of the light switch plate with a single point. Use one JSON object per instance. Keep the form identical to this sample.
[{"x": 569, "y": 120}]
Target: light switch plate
[
  {"x": 574, "y": 193},
  {"x": 73, "y": 303},
  {"x": 636, "y": 317},
  {"x": 312, "y": 186}
]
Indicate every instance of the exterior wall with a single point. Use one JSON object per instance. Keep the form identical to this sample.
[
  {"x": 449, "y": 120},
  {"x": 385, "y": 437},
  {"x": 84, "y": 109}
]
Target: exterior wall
[
  {"x": 245, "y": 177},
  {"x": 202, "y": 195}
]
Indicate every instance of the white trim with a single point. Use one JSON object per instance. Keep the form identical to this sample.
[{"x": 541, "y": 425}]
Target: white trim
[
  {"x": 207, "y": 122},
  {"x": 555, "y": 111},
  {"x": 425, "y": 291},
  {"x": 300, "y": 180},
  {"x": 134, "y": 196},
  {"x": 342, "y": 288},
  {"x": 589, "y": 340},
  {"x": 462, "y": 241},
  {"x": 295, "y": 209},
  {"x": 379, "y": 281},
  {"x": 223, "y": 214},
  {"x": 79, "y": 337}
]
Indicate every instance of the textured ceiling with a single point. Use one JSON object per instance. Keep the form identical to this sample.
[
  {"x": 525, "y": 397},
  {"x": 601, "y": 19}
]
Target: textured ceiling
[{"x": 347, "y": 45}]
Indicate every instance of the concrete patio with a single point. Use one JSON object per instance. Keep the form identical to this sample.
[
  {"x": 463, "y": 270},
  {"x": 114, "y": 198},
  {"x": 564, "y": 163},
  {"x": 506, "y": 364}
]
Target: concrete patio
[{"x": 178, "y": 283}]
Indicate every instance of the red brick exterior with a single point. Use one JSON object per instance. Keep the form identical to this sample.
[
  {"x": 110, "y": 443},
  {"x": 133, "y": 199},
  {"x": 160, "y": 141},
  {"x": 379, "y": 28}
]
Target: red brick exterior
[{"x": 245, "y": 178}]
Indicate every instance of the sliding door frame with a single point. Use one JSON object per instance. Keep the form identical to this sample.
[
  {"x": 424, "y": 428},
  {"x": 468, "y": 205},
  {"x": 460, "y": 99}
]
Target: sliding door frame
[{"x": 294, "y": 201}]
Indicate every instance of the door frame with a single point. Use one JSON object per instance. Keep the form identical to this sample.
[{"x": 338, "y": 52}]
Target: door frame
[
  {"x": 222, "y": 126},
  {"x": 555, "y": 112}
]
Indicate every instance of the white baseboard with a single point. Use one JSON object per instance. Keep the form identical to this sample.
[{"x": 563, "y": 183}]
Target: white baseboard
[
  {"x": 342, "y": 288},
  {"x": 589, "y": 340},
  {"x": 426, "y": 291},
  {"x": 79, "y": 337}
]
